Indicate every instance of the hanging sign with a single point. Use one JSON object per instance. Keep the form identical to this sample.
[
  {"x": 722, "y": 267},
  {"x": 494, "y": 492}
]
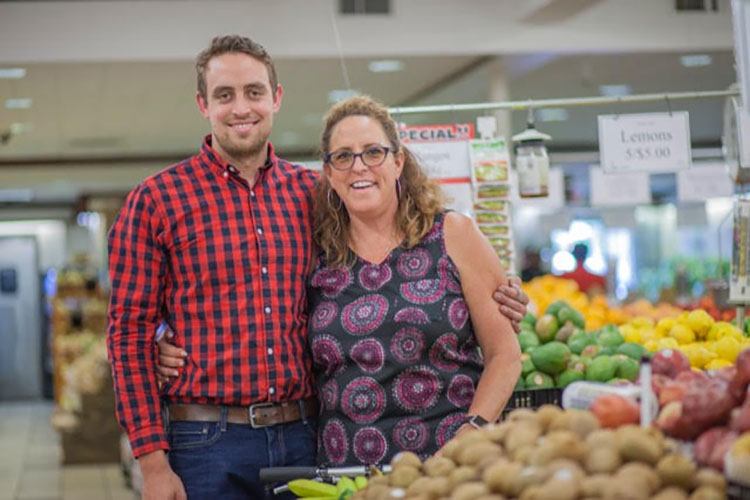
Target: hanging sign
[
  {"x": 703, "y": 182},
  {"x": 650, "y": 142},
  {"x": 607, "y": 190}
]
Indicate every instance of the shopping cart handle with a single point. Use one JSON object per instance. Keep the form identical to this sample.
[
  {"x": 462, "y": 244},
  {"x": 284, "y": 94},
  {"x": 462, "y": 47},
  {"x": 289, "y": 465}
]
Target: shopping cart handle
[{"x": 284, "y": 474}]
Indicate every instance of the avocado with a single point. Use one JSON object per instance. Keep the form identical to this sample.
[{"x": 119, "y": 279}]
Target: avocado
[
  {"x": 627, "y": 368},
  {"x": 632, "y": 350},
  {"x": 538, "y": 380},
  {"x": 569, "y": 376},
  {"x": 527, "y": 339},
  {"x": 527, "y": 366},
  {"x": 601, "y": 369},
  {"x": 546, "y": 328},
  {"x": 551, "y": 358}
]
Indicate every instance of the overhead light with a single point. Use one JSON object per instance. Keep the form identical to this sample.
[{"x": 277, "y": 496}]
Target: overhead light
[
  {"x": 340, "y": 95},
  {"x": 12, "y": 73},
  {"x": 16, "y": 195},
  {"x": 20, "y": 128},
  {"x": 386, "y": 66},
  {"x": 21, "y": 103},
  {"x": 695, "y": 60},
  {"x": 552, "y": 114},
  {"x": 615, "y": 90}
]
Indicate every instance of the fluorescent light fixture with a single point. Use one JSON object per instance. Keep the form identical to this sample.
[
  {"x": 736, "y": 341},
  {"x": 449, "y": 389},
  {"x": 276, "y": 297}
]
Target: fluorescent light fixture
[
  {"x": 12, "y": 73},
  {"x": 20, "y": 128},
  {"x": 386, "y": 66},
  {"x": 340, "y": 95},
  {"x": 20, "y": 103},
  {"x": 615, "y": 90},
  {"x": 16, "y": 195},
  {"x": 552, "y": 114},
  {"x": 695, "y": 60}
]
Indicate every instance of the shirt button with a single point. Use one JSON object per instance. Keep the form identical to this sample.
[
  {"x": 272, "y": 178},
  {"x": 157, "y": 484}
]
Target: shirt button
[
  {"x": 271, "y": 391},
  {"x": 225, "y": 174},
  {"x": 252, "y": 194},
  {"x": 270, "y": 351},
  {"x": 267, "y": 309},
  {"x": 264, "y": 270},
  {"x": 260, "y": 230}
]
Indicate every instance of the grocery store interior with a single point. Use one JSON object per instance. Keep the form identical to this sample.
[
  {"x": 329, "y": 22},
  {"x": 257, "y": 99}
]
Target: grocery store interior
[{"x": 602, "y": 146}]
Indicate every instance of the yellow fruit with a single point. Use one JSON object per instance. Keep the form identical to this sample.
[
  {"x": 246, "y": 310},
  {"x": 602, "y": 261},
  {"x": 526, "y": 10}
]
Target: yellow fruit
[
  {"x": 700, "y": 321},
  {"x": 727, "y": 348},
  {"x": 651, "y": 345},
  {"x": 717, "y": 364},
  {"x": 667, "y": 343},
  {"x": 682, "y": 334},
  {"x": 698, "y": 355},
  {"x": 642, "y": 321},
  {"x": 665, "y": 324}
]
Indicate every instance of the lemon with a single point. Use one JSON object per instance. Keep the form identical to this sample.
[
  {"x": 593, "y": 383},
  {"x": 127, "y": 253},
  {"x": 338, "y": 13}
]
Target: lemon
[
  {"x": 682, "y": 334},
  {"x": 642, "y": 321},
  {"x": 700, "y": 321},
  {"x": 717, "y": 364},
  {"x": 667, "y": 343},
  {"x": 727, "y": 348},
  {"x": 651, "y": 346},
  {"x": 665, "y": 324}
]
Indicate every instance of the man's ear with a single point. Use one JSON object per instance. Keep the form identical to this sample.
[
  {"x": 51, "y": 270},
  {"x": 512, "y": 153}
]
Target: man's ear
[
  {"x": 202, "y": 104},
  {"x": 277, "y": 98}
]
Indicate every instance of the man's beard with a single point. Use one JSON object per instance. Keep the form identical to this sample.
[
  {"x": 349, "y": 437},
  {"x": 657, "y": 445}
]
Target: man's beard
[{"x": 239, "y": 152}]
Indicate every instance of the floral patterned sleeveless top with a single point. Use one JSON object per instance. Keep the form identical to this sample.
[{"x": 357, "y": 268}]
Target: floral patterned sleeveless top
[{"x": 394, "y": 354}]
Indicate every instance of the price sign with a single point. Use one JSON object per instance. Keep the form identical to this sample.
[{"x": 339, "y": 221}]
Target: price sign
[
  {"x": 651, "y": 142},
  {"x": 703, "y": 182},
  {"x": 627, "y": 189}
]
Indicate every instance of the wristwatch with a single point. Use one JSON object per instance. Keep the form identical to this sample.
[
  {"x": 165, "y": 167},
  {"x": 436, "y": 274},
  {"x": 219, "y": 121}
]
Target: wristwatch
[{"x": 476, "y": 421}]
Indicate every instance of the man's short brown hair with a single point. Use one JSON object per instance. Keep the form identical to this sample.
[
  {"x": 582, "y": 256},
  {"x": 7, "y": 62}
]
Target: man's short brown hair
[{"x": 229, "y": 44}]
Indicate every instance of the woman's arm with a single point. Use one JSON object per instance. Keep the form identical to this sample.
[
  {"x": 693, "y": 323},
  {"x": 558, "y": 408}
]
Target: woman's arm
[{"x": 480, "y": 272}]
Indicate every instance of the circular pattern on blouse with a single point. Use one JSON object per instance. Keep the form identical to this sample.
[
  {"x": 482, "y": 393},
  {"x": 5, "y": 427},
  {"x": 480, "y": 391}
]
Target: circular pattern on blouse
[
  {"x": 417, "y": 389},
  {"x": 461, "y": 391},
  {"x": 335, "y": 441},
  {"x": 407, "y": 345},
  {"x": 329, "y": 394},
  {"x": 323, "y": 315},
  {"x": 447, "y": 428},
  {"x": 413, "y": 315},
  {"x": 369, "y": 355},
  {"x": 458, "y": 313},
  {"x": 364, "y": 315},
  {"x": 373, "y": 276},
  {"x": 327, "y": 352},
  {"x": 424, "y": 291},
  {"x": 363, "y": 400},
  {"x": 411, "y": 434},
  {"x": 414, "y": 264},
  {"x": 369, "y": 445},
  {"x": 449, "y": 275},
  {"x": 470, "y": 351},
  {"x": 332, "y": 281},
  {"x": 434, "y": 233},
  {"x": 444, "y": 352}
]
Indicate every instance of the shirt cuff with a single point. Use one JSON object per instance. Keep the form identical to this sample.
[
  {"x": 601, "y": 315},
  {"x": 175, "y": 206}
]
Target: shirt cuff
[{"x": 147, "y": 440}]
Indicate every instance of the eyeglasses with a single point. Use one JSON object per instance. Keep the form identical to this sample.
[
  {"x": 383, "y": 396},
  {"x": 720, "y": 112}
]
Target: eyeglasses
[{"x": 373, "y": 156}]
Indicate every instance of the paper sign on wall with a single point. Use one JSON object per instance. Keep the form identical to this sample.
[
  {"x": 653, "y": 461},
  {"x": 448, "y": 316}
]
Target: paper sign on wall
[
  {"x": 703, "y": 182},
  {"x": 628, "y": 189},
  {"x": 649, "y": 142}
]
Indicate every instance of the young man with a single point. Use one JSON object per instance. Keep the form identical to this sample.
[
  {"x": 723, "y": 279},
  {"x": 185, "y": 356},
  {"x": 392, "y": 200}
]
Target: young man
[{"x": 220, "y": 245}]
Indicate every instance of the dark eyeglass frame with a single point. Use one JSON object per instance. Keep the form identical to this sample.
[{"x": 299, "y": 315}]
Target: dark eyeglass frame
[{"x": 361, "y": 155}]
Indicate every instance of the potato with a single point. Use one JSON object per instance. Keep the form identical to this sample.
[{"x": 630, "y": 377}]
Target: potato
[
  {"x": 431, "y": 486},
  {"x": 524, "y": 434},
  {"x": 676, "y": 470},
  {"x": 559, "y": 489},
  {"x": 636, "y": 444},
  {"x": 708, "y": 493},
  {"x": 712, "y": 478},
  {"x": 671, "y": 493},
  {"x": 406, "y": 458},
  {"x": 602, "y": 437},
  {"x": 449, "y": 449},
  {"x": 593, "y": 486},
  {"x": 498, "y": 432},
  {"x": 579, "y": 421},
  {"x": 376, "y": 491},
  {"x": 639, "y": 472},
  {"x": 469, "y": 491},
  {"x": 472, "y": 455},
  {"x": 564, "y": 469},
  {"x": 403, "y": 475},
  {"x": 545, "y": 414},
  {"x": 521, "y": 414},
  {"x": 437, "y": 466},
  {"x": 490, "y": 496},
  {"x": 624, "y": 488},
  {"x": 568, "y": 445},
  {"x": 602, "y": 460},
  {"x": 522, "y": 454},
  {"x": 463, "y": 474},
  {"x": 504, "y": 478},
  {"x": 532, "y": 475}
]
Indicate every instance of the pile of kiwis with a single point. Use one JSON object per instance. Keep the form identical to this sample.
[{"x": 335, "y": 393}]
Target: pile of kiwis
[{"x": 550, "y": 454}]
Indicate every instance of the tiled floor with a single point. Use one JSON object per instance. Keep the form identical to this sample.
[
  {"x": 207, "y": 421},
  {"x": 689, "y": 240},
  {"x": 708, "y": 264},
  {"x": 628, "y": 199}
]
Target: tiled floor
[{"x": 30, "y": 461}]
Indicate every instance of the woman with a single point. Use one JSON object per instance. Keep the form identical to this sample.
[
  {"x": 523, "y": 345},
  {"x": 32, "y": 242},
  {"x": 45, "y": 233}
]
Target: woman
[{"x": 399, "y": 301}]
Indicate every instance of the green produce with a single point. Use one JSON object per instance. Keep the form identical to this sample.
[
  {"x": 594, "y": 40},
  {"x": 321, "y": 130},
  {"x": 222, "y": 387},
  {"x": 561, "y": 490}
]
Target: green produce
[
  {"x": 632, "y": 350},
  {"x": 601, "y": 369},
  {"x": 591, "y": 350},
  {"x": 606, "y": 351},
  {"x": 565, "y": 332},
  {"x": 520, "y": 384},
  {"x": 579, "y": 341},
  {"x": 551, "y": 358},
  {"x": 546, "y": 328},
  {"x": 527, "y": 366},
  {"x": 538, "y": 380},
  {"x": 627, "y": 367},
  {"x": 555, "y": 307},
  {"x": 569, "y": 376},
  {"x": 527, "y": 339},
  {"x": 529, "y": 320},
  {"x": 567, "y": 313},
  {"x": 578, "y": 363},
  {"x": 609, "y": 336}
]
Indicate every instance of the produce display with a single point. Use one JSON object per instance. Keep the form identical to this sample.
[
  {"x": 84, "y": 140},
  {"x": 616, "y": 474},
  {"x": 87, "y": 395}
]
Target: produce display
[{"x": 550, "y": 454}]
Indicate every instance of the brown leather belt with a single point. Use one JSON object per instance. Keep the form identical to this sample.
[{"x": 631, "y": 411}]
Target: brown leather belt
[{"x": 256, "y": 415}]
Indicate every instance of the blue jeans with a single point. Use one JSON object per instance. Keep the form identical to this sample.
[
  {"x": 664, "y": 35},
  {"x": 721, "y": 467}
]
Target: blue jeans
[{"x": 221, "y": 460}]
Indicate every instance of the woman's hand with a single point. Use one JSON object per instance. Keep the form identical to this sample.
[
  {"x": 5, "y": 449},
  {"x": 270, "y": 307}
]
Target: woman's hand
[
  {"x": 171, "y": 357},
  {"x": 513, "y": 301}
]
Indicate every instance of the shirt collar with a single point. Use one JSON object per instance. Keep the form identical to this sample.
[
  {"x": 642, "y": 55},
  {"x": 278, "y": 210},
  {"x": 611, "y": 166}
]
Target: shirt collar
[{"x": 216, "y": 163}]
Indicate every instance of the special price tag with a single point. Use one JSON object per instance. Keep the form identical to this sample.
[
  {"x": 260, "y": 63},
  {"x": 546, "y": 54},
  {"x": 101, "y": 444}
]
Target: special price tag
[{"x": 649, "y": 142}]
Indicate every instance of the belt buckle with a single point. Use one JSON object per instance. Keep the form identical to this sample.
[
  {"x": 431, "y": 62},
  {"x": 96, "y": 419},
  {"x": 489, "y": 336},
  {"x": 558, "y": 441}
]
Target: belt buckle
[{"x": 251, "y": 415}]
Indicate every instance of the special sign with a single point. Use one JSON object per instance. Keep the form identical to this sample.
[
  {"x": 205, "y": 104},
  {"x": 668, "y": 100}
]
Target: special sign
[{"x": 651, "y": 142}]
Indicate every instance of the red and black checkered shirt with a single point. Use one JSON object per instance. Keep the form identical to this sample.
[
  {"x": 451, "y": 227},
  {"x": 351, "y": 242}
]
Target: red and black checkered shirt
[{"x": 225, "y": 264}]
